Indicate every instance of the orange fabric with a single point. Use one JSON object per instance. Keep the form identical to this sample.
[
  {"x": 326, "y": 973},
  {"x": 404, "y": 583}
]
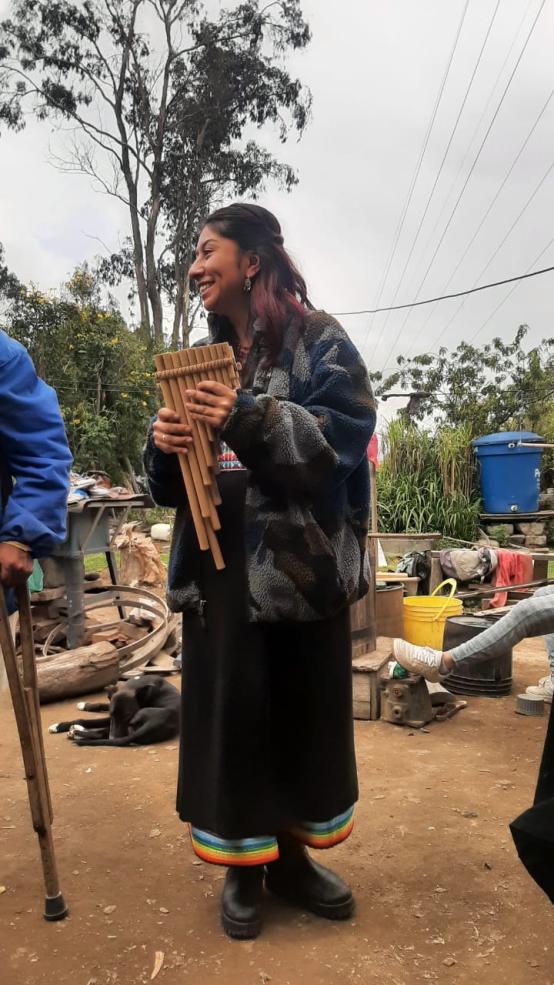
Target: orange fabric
[{"x": 514, "y": 568}]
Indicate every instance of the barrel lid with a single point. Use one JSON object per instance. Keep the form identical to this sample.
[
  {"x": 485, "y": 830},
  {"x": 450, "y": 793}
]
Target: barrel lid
[{"x": 503, "y": 437}]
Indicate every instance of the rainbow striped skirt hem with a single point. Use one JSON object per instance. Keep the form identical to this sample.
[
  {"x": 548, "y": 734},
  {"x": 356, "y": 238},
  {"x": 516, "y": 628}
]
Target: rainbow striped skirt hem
[
  {"x": 265, "y": 849},
  {"x": 326, "y": 833},
  {"x": 238, "y": 851}
]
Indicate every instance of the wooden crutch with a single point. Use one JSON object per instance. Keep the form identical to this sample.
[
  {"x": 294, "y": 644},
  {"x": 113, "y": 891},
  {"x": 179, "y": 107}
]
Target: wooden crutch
[{"x": 25, "y": 699}]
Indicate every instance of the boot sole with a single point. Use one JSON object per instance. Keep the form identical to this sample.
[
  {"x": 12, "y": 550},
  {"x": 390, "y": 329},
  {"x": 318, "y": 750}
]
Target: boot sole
[
  {"x": 330, "y": 911},
  {"x": 238, "y": 930}
]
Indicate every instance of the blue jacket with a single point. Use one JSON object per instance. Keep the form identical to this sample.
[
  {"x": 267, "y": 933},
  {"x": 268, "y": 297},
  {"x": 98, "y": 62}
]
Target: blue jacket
[
  {"x": 34, "y": 456},
  {"x": 302, "y": 432}
]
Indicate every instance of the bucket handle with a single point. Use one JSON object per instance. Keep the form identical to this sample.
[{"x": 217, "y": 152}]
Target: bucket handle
[{"x": 453, "y": 586}]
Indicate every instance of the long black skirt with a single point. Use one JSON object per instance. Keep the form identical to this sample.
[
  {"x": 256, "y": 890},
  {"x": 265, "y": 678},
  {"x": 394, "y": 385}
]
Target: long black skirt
[
  {"x": 533, "y": 831},
  {"x": 267, "y": 734}
]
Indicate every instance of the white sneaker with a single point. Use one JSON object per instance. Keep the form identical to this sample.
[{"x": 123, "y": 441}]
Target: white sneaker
[
  {"x": 544, "y": 689},
  {"x": 418, "y": 659}
]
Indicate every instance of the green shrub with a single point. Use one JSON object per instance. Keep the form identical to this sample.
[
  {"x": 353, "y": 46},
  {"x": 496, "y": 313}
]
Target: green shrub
[{"x": 427, "y": 482}]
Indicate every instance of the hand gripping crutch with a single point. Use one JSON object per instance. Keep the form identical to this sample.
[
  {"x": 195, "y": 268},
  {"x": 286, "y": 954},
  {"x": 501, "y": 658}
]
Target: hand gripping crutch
[{"x": 24, "y": 691}]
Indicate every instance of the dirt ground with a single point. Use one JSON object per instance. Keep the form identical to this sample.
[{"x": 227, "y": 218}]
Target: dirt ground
[{"x": 441, "y": 896}]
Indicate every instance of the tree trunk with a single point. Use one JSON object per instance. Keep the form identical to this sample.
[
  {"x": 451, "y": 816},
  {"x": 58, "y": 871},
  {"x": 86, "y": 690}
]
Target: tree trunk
[
  {"x": 186, "y": 316},
  {"x": 130, "y": 473},
  {"x": 88, "y": 668},
  {"x": 181, "y": 293},
  {"x": 152, "y": 282},
  {"x": 138, "y": 258},
  {"x": 128, "y": 37}
]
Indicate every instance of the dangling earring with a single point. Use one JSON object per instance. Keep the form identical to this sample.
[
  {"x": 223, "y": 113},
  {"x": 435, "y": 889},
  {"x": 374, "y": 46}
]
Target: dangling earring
[{"x": 247, "y": 286}]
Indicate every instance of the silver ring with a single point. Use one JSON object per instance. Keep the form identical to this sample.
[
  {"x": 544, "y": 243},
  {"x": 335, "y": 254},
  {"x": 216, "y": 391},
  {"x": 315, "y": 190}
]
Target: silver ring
[{"x": 164, "y": 437}]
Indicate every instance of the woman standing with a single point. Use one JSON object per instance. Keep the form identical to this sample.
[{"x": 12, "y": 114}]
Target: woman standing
[{"x": 267, "y": 762}]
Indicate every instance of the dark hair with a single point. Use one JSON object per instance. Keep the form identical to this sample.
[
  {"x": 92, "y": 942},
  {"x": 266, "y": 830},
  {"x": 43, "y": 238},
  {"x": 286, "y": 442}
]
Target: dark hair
[{"x": 278, "y": 289}]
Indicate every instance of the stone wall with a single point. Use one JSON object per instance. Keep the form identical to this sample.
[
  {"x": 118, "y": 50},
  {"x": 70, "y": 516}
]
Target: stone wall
[{"x": 530, "y": 534}]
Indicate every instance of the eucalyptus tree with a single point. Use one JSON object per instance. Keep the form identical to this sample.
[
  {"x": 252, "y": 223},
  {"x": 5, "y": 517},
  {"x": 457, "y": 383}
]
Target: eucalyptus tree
[{"x": 163, "y": 101}]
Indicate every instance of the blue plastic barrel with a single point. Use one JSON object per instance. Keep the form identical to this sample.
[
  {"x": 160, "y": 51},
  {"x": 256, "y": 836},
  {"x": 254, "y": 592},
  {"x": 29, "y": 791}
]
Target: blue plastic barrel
[{"x": 509, "y": 474}]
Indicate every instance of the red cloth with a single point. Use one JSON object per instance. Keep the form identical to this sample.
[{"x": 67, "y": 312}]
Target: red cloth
[
  {"x": 373, "y": 451},
  {"x": 514, "y": 568}
]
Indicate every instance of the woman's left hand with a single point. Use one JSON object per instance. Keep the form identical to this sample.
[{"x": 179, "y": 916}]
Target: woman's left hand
[{"x": 211, "y": 402}]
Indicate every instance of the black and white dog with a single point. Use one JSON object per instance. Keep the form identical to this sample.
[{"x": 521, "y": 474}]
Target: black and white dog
[{"x": 142, "y": 710}]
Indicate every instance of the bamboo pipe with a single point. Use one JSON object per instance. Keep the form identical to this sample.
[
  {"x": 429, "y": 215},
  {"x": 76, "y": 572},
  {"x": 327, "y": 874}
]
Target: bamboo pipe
[
  {"x": 207, "y": 505},
  {"x": 174, "y": 361},
  {"x": 178, "y": 372},
  {"x": 188, "y": 358},
  {"x": 211, "y": 461},
  {"x": 200, "y": 471},
  {"x": 185, "y": 465}
]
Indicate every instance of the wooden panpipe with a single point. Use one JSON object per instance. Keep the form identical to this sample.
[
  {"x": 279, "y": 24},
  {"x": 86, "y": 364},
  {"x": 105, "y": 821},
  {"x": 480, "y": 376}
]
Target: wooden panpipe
[{"x": 177, "y": 372}]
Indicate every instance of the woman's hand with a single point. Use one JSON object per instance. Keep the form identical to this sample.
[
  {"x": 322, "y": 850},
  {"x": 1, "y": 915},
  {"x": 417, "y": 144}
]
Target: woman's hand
[
  {"x": 211, "y": 402},
  {"x": 170, "y": 435}
]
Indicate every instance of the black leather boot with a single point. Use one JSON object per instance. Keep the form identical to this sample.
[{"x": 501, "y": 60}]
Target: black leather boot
[
  {"x": 240, "y": 901},
  {"x": 299, "y": 880}
]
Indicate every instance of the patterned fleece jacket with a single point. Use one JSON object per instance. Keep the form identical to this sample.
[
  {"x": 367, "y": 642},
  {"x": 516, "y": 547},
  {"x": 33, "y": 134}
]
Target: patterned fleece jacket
[{"x": 302, "y": 432}]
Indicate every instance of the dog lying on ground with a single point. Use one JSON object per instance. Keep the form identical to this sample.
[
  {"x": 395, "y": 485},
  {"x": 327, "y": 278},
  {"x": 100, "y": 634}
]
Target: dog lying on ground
[{"x": 142, "y": 710}]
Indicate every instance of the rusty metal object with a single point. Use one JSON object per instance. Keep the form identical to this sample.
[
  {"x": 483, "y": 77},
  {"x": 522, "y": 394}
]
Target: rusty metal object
[{"x": 406, "y": 701}]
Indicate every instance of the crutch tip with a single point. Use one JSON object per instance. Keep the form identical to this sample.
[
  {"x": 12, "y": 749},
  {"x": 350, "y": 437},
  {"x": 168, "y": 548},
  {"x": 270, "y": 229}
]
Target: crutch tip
[{"x": 55, "y": 908}]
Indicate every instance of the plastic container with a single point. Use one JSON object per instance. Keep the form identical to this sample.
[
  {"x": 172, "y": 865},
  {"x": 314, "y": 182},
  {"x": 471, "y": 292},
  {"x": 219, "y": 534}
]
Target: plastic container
[
  {"x": 160, "y": 531},
  {"x": 492, "y": 678},
  {"x": 425, "y": 616},
  {"x": 509, "y": 473}
]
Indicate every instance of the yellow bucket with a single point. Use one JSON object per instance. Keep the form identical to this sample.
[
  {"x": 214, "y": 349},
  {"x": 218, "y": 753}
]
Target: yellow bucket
[{"x": 425, "y": 616}]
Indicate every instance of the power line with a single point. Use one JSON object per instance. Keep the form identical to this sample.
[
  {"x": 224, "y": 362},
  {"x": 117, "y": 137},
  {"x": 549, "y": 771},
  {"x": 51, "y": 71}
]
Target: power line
[
  {"x": 146, "y": 390},
  {"x": 472, "y": 168},
  {"x": 415, "y": 176},
  {"x": 478, "y": 126},
  {"x": 444, "y": 297},
  {"x": 439, "y": 171},
  {"x": 497, "y": 250},
  {"x": 487, "y": 213},
  {"x": 509, "y": 294}
]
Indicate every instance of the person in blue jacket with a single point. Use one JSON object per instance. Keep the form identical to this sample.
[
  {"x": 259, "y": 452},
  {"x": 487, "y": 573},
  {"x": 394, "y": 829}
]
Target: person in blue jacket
[{"x": 34, "y": 465}]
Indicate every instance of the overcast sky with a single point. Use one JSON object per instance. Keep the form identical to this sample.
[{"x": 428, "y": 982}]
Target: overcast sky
[{"x": 375, "y": 69}]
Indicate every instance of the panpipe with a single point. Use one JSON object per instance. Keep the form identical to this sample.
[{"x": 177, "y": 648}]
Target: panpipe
[{"x": 177, "y": 372}]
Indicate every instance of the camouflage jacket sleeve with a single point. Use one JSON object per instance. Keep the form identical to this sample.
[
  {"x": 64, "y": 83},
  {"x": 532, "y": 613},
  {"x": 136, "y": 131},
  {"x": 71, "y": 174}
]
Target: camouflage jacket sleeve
[{"x": 311, "y": 446}]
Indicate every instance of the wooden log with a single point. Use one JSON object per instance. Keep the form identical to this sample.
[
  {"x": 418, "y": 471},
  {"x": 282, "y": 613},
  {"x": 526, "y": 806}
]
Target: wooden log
[
  {"x": 88, "y": 668},
  {"x": 107, "y": 636}
]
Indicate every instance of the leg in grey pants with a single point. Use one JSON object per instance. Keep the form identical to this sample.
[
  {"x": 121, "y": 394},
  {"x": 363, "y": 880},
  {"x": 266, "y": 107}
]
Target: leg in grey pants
[{"x": 531, "y": 617}]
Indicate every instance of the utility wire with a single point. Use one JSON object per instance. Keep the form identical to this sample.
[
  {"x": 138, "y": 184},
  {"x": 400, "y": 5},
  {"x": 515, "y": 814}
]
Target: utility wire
[
  {"x": 477, "y": 128},
  {"x": 509, "y": 294},
  {"x": 471, "y": 170},
  {"x": 415, "y": 176},
  {"x": 486, "y": 215},
  {"x": 445, "y": 297},
  {"x": 496, "y": 252},
  {"x": 438, "y": 174}
]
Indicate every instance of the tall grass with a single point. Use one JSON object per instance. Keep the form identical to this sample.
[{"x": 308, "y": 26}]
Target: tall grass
[{"x": 427, "y": 482}]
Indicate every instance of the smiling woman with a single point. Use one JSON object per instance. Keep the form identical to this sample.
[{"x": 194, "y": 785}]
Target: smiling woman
[{"x": 267, "y": 755}]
